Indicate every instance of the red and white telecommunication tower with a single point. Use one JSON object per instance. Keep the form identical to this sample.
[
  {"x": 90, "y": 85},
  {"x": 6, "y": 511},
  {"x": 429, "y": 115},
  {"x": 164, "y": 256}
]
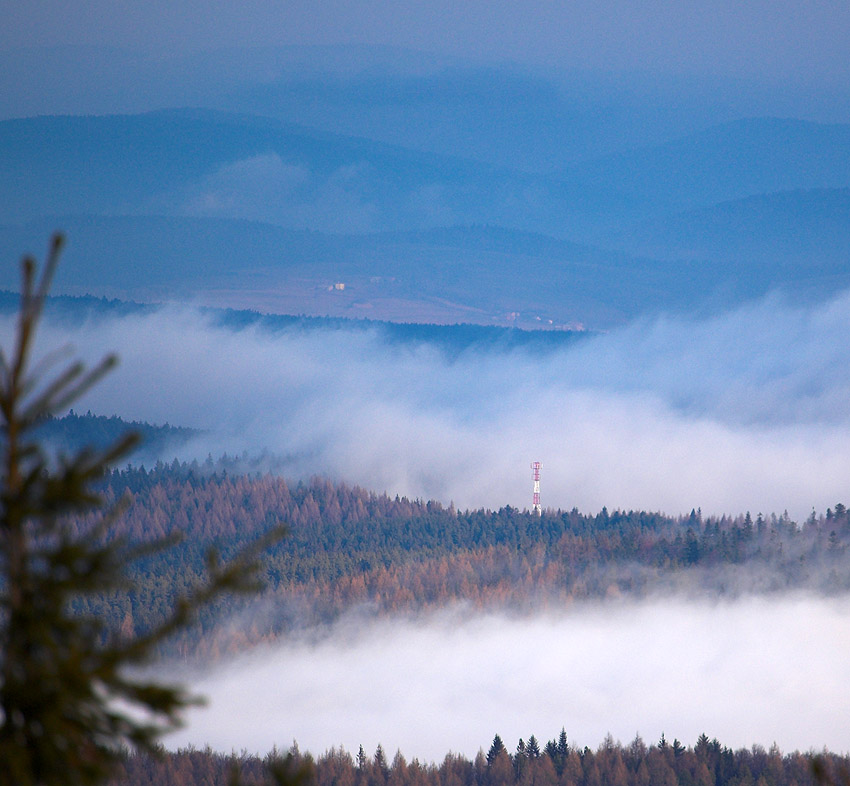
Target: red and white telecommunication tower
[{"x": 535, "y": 465}]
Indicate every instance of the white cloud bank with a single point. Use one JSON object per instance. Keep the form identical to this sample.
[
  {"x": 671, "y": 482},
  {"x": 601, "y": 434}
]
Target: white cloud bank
[
  {"x": 746, "y": 410},
  {"x": 743, "y": 411},
  {"x": 751, "y": 671},
  {"x": 266, "y": 188}
]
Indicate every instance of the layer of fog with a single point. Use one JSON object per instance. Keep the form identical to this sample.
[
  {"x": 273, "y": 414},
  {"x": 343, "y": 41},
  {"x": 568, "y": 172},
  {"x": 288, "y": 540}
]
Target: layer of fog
[
  {"x": 753, "y": 671},
  {"x": 265, "y": 188},
  {"x": 742, "y": 411}
]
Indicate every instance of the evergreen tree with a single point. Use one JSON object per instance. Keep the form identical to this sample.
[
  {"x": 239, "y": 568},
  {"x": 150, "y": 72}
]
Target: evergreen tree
[
  {"x": 495, "y": 749},
  {"x": 702, "y": 747},
  {"x": 381, "y": 759},
  {"x": 520, "y": 759},
  {"x": 558, "y": 751},
  {"x": 563, "y": 747},
  {"x": 65, "y": 679}
]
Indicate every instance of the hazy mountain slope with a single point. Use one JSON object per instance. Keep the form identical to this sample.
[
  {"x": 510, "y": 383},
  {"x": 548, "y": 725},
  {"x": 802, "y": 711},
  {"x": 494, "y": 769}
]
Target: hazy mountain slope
[
  {"x": 475, "y": 274},
  {"x": 154, "y": 255},
  {"x": 223, "y": 165},
  {"x": 190, "y": 203},
  {"x": 505, "y": 115},
  {"x": 509, "y": 117},
  {"x": 725, "y": 162},
  {"x": 236, "y": 166},
  {"x": 484, "y": 275},
  {"x": 789, "y": 238}
]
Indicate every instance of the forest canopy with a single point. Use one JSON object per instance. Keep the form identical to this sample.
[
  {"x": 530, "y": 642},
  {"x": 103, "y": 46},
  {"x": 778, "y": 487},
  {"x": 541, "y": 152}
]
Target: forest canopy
[{"x": 348, "y": 547}]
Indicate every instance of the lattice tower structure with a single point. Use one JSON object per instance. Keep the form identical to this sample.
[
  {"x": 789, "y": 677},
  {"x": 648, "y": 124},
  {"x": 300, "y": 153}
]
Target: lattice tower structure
[{"x": 535, "y": 466}]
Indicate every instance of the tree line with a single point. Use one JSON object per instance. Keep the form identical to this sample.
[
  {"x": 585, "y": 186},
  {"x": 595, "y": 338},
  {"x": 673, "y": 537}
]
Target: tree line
[
  {"x": 348, "y": 547},
  {"x": 554, "y": 763}
]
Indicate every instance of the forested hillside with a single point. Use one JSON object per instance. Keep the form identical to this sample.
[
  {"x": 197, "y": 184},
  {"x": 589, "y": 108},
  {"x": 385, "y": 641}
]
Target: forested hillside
[
  {"x": 349, "y": 549},
  {"x": 74, "y": 431}
]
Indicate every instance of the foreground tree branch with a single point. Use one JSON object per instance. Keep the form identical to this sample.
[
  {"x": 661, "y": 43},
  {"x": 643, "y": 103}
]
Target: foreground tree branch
[{"x": 72, "y": 694}]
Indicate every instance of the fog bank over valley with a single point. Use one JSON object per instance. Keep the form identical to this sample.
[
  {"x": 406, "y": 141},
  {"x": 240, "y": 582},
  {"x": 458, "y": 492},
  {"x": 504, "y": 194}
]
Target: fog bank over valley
[
  {"x": 755, "y": 670},
  {"x": 741, "y": 411},
  {"x": 362, "y": 264}
]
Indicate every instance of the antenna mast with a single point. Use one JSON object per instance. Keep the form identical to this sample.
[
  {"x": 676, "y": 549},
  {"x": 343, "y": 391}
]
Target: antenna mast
[{"x": 535, "y": 465}]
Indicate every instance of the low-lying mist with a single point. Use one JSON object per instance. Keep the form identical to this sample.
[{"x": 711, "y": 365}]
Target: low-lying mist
[
  {"x": 756, "y": 670},
  {"x": 747, "y": 410}
]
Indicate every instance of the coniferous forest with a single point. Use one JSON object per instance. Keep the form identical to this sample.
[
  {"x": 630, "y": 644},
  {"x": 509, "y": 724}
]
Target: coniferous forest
[
  {"x": 533, "y": 763},
  {"x": 349, "y": 549}
]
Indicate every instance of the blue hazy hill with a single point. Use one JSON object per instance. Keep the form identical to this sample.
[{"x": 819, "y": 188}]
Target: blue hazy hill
[
  {"x": 798, "y": 233},
  {"x": 182, "y": 202},
  {"x": 488, "y": 269},
  {"x": 225, "y": 165},
  {"x": 722, "y": 163},
  {"x": 511, "y": 116}
]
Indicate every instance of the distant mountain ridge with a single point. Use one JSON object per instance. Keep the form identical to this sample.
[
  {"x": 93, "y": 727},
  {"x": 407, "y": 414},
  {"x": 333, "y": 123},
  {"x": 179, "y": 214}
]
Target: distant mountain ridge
[
  {"x": 726, "y": 162},
  {"x": 156, "y": 163},
  {"x": 484, "y": 275},
  {"x": 145, "y": 163},
  {"x": 250, "y": 212},
  {"x": 805, "y": 229}
]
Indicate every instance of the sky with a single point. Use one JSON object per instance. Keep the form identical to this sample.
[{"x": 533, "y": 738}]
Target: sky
[{"x": 804, "y": 42}]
